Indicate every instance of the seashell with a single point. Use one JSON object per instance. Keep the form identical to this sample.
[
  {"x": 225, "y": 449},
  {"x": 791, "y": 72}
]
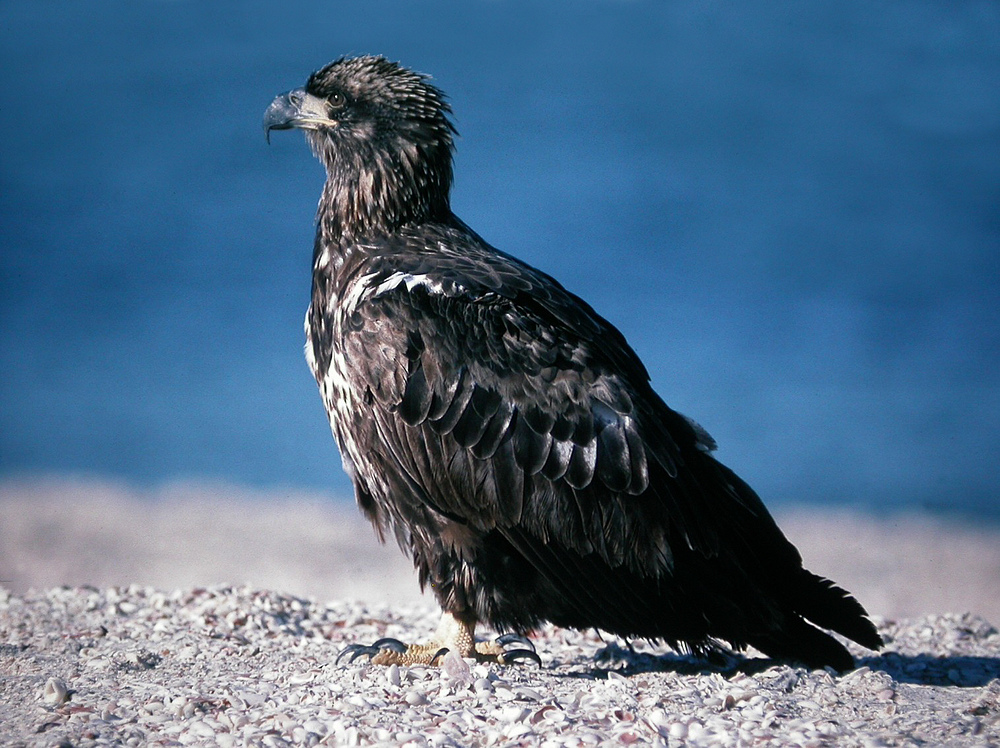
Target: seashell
[{"x": 55, "y": 691}]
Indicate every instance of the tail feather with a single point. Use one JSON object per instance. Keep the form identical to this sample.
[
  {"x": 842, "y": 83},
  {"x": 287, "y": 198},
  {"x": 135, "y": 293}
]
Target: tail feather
[
  {"x": 799, "y": 641},
  {"x": 796, "y": 592},
  {"x": 824, "y": 604},
  {"x": 832, "y": 607}
]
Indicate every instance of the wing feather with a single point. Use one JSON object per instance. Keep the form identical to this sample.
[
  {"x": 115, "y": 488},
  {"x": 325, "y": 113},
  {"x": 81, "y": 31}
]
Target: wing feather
[
  {"x": 580, "y": 471},
  {"x": 417, "y": 398},
  {"x": 531, "y": 448},
  {"x": 531, "y": 390},
  {"x": 510, "y": 483},
  {"x": 614, "y": 466},
  {"x": 497, "y": 429},
  {"x": 557, "y": 464},
  {"x": 462, "y": 393},
  {"x": 474, "y": 421}
]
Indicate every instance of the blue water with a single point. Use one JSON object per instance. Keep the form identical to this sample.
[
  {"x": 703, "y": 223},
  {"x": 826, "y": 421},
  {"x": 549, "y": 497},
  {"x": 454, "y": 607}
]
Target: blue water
[{"x": 791, "y": 209}]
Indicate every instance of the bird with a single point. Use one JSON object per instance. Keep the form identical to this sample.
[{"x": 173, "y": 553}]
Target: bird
[{"x": 507, "y": 435}]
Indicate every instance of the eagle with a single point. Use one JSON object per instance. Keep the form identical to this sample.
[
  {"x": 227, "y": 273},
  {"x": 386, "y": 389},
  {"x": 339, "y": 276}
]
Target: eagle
[{"x": 505, "y": 433}]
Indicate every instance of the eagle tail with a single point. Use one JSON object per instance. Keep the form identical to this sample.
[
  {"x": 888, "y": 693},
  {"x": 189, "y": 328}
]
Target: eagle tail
[
  {"x": 799, "y": 641},
  {"x": 827, "y": 605},
  {"x": 832, "y": 607}
]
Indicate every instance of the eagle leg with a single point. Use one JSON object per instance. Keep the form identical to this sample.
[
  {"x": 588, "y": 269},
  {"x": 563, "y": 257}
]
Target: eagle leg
[{"x": 453, "y": 634}]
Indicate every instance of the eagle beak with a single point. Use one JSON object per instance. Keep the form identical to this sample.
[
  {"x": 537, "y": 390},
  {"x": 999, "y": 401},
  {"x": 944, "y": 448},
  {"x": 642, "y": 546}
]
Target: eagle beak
[{"x": 296, "y": 108}]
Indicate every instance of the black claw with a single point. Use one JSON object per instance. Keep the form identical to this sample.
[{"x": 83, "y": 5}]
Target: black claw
[
  {"x": 505, "y": 639},
  {"x": 389, "y": 643},
  {"x": 363, "y": 651},
  {"x": 369, "y": 650},
  {"x": 356, "y": 651},
  {"x": 440, "y": 653},
  {"x": 512, "y": 655}
]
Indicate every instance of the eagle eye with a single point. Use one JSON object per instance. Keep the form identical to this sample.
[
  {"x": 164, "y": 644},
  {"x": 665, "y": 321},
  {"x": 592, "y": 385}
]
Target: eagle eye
[{"x": 337, "y": 100}]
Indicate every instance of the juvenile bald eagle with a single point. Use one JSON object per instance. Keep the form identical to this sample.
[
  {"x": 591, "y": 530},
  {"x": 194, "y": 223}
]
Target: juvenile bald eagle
[{"x": 507, "y": 434}]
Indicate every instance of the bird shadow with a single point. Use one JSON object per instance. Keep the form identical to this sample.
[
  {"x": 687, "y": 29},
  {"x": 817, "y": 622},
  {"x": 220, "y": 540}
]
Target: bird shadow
[{"x": 960, "y": 671}]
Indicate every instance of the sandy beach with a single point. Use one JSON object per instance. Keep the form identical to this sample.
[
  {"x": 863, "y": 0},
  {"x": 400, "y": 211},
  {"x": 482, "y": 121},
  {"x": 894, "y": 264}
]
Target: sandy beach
[{"x": 212, "y": 615}]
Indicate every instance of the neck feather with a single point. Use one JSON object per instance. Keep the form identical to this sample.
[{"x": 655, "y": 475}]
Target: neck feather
[{"x": 370, "y": 193}]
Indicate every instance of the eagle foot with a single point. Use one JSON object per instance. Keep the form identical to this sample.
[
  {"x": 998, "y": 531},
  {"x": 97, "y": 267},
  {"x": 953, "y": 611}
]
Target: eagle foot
[
  {"x": 497, "y": 651},
  {"x": 394, "y": 652},
  {"x": 354, "y": 651},
  {"x": 452, "y": 635}
]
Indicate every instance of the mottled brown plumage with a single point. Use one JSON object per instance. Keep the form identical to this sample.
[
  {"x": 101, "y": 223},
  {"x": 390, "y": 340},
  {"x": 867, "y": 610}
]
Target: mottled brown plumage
[{"x": 504, "y": 432}]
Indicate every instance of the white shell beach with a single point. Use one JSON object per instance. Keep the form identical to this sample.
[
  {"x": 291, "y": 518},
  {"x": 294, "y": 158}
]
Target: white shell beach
[{"x": 210, "y": 615}]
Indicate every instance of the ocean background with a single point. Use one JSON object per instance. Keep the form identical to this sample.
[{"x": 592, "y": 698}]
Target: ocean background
[{"x": 791, "y": 209}]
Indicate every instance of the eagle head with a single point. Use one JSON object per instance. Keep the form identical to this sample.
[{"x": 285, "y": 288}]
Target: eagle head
[{"x": 383, "y": 134}]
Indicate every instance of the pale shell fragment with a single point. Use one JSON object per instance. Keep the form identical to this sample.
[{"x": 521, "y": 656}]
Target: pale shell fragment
[{"x": 55, "y": 691}]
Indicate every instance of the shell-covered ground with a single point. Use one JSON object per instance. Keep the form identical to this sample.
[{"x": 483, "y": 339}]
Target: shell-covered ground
[
  {"x": 236, "y": 666},
  {"x": 196, "y": 615}
]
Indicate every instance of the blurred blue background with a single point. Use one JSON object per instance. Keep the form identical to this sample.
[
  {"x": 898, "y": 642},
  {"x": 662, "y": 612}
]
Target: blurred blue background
[{"x": 792, "y": 211}]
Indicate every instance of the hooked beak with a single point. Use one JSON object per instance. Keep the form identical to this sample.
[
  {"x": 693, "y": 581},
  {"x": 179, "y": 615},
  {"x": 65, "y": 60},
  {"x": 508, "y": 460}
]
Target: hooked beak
[{"x": 296, "y": 108}]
